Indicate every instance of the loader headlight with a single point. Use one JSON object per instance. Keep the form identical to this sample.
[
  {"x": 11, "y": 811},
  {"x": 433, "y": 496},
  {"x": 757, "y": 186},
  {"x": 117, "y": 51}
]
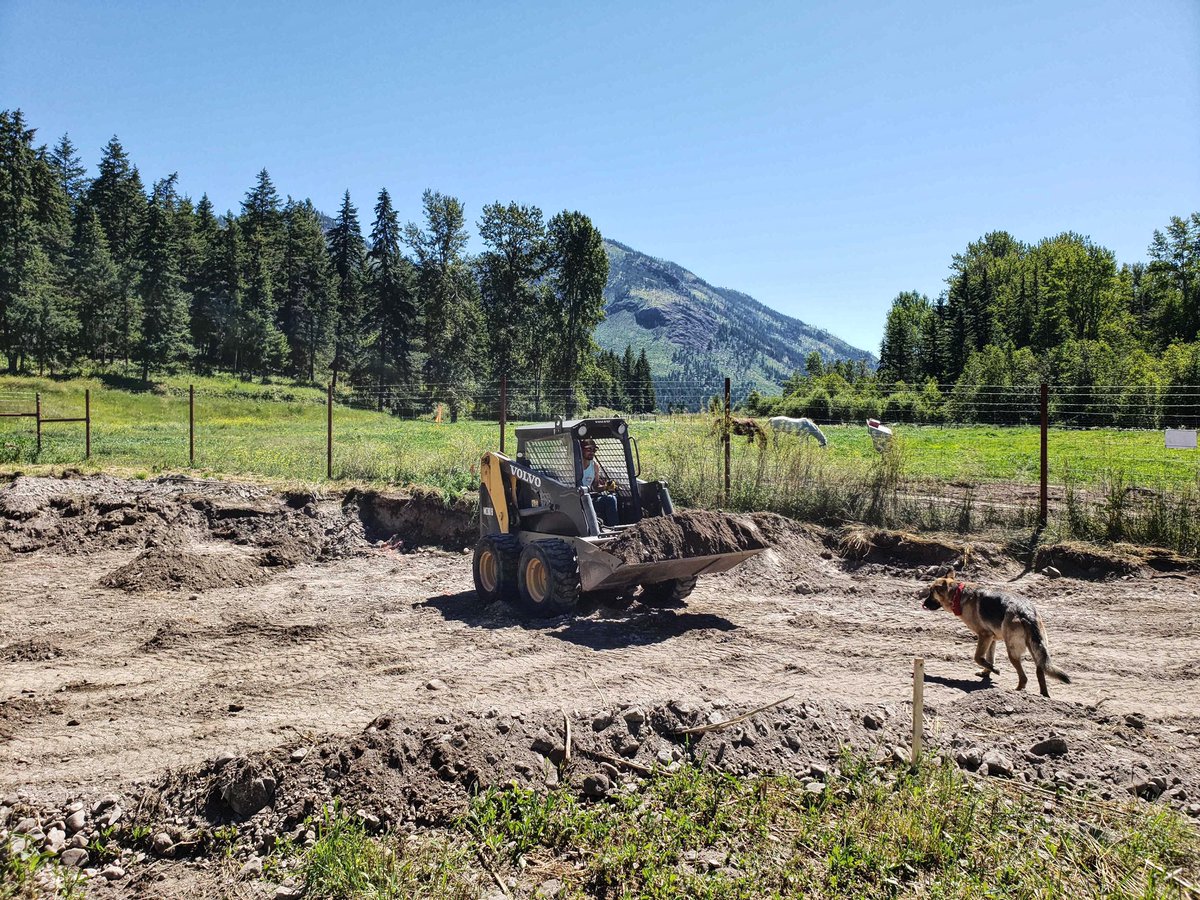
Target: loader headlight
[
  {"x": 621, "y": 429},
  {"x": 581, "y": 430}
]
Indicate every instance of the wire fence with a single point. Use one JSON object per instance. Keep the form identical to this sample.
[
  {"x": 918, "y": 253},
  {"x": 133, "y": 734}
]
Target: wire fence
[{"x": 958, "y": 459}]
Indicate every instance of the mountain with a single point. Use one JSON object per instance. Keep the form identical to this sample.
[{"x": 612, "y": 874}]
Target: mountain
[{"x": 694, "y": 332}]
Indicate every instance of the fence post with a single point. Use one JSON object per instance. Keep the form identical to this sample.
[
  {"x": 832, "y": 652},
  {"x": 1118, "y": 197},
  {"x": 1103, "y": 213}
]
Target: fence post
[
  {"x": 725, "y": 441},
  {"x": 37, "y": 413},
  {"x": 191, "y": 425},
  {"x": 503, "y": 409},
  {"x": 1043, "y": 495},
  {"x": 329, "y": 433},
  {"x": 918, "y": 717},
  {"x": 87, "y": 423}
]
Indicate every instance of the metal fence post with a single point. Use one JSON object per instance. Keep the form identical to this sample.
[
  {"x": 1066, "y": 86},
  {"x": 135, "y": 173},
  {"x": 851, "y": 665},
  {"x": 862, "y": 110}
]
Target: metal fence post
[
  {"x": 1043, "y": 496},
  {"x": 191, "y": 425},
  {"x": 37, "y": 413},
  {"x": 87, "y": 423},
  {"x": 725, "y": 440},
  {"x": 329, "y": 433},
  {"x": 503, "y": 409}
]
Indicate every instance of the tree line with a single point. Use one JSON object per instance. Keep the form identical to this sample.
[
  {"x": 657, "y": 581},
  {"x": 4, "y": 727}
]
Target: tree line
[
  {"x": 100, "y": 272},
  {"x": 1124, "y": 338}
]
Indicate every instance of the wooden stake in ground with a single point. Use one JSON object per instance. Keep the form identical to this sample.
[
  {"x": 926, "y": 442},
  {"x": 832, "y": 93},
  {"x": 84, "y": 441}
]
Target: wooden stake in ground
[{"x": 918, "y": 707}]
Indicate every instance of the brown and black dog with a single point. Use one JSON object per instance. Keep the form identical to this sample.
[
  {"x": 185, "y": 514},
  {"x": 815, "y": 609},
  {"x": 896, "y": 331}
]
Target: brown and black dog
[{"x": 994, "y": 615}]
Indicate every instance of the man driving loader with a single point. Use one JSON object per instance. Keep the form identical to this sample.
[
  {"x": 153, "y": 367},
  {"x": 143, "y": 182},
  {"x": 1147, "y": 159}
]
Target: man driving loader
[{"x": 598, "y": 484}]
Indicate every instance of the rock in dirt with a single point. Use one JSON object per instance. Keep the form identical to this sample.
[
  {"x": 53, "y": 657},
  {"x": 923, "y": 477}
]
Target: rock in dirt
[
  {"x": 75, "y": 821},
  {"x": 690, "y": 533},
  {"x": 161, "y": 844},
  {"x": 597, "y": 785},
  {"x": 75, "y": 858},
  {"x": 247, "y": 791},
  {"x": 997, "y": 765},
  {"x": 1051, "y": 746}
]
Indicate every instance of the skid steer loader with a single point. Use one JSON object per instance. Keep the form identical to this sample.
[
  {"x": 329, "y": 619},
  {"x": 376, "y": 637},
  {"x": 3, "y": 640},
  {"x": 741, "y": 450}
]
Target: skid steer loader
[{"x": 542, "y": 542}]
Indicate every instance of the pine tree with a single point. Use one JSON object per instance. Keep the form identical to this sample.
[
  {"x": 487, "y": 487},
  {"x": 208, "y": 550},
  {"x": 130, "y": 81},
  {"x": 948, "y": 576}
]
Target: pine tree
[
  {"x": 307, "y": 307},
  {"x": 347, "y": 253},
  {"x": 120, "y": 202},
  {"x": 448, "y": 297},
  {"x": 163, "y": 336},
  {"x": 260, "y": 341},
  {"x": 646, "y": 399},
  {"x": 579, "y": 274},
  {"x": 72, "y": 174},
  {"x": 95, "y": 284},
  {"x": 391, "y": 303}
]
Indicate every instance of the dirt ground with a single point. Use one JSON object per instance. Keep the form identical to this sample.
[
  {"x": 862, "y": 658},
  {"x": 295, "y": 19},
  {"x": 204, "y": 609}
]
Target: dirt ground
[{"x": 167, "y": 637}]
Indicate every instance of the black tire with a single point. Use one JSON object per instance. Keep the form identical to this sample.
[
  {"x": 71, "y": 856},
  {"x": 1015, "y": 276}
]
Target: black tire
[
  {"x": 495, "y": 567},
  {"x": 548, "y": 578},
  {"x": 667, "y": 593}
]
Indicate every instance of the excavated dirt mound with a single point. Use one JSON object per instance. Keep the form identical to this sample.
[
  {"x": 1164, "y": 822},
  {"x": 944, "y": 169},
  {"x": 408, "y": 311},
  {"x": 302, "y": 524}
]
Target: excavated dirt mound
[
  {"x": 690, "y": 533},
  {"x": 1086, "y": 561},
  {"x": 420, "y": 772},
  {"x": 164, "y": 568},
  {"x": 424, "y": 517}
]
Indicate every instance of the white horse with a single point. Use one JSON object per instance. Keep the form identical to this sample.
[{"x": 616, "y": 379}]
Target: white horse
[{"x": 798, "y": 426}]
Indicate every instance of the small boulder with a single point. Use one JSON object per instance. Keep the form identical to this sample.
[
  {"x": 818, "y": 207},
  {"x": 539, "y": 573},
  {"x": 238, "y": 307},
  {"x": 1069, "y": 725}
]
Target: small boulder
[
  {"x": 161, "y": 844},
  {"x": 76, "y": 858},
  {"x": 435, "y": 684},
  {"x": 970, "y": 759},
  {"x": 298, "y": 754},
  {"x": 253, "y": 868},
  {"x": 997, "y": 765},
  {"x": 112, "y": 872},
  {"x": 76, "y": 821},
  {"x": 1051, "y": 746},
  {"x": 597, "y": 785},
  {"x": 872, "y": 721},
  {"x": 634, "y": 718}
]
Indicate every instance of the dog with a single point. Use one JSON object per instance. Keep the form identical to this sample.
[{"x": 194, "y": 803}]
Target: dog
[{"x": 994, "y": 615}]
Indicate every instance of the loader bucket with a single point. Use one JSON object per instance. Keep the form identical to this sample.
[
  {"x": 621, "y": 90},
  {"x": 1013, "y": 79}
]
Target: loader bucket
[{"x": 603, "y": 571}]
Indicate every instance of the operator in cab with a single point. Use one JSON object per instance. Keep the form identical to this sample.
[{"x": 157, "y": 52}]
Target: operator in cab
[{"x": 597, "y": 483}]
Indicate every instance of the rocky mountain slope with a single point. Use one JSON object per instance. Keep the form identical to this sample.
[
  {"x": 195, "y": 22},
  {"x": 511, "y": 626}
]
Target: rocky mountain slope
[{"x": 695, "y": 332}]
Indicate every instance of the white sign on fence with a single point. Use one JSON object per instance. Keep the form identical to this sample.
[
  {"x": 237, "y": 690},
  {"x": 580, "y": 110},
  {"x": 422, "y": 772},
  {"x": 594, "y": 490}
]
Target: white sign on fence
[{"x": 1181, "y": 439}]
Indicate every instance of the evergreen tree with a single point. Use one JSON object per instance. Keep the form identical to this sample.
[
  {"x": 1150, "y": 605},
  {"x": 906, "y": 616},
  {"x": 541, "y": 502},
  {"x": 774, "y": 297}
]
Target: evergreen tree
[
  {"x": 580, "y": 272},
  {"x": 260, "y": 341},
  {"x": 120, "y": 202},
  {"x": 307, "y": 308},
  {"x": 644, "y": 385},
  {"x": 162, "y": 341},
  {"x": 391, "y": 304},
  {"x": 347, "y": 253},
  {"x": 448, "y": 298},
  {"x": 96, "y": 286},
  {"x": 72, "y": 174},
  {"x": 900, "y": 352}
]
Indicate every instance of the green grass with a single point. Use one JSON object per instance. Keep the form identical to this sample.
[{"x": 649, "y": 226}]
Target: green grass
[
  {"x": 277, "y": 432},
  {"x": 698, "y": 833}
]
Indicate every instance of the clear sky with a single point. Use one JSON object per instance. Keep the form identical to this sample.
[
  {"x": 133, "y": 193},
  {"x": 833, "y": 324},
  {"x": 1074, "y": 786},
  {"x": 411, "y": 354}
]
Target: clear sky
[{"x": 820, "y": 155}]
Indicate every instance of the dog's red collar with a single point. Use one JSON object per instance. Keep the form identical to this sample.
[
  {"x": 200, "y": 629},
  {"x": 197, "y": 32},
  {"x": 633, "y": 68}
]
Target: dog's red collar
[{"x": 956, "y": 593}]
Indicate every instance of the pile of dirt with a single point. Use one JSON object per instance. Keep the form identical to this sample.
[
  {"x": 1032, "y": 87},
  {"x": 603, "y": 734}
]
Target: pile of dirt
[
  {"x": 1078, "y": 560},
  {"x": 167, "y": 568},
  {"x": 31, "y": 650},
  {"x": 403, "y": 774},
  {"x": 684, "y": 534},
  {"x": 901, "y": 547},
  {"x": 89, "y": 514}
]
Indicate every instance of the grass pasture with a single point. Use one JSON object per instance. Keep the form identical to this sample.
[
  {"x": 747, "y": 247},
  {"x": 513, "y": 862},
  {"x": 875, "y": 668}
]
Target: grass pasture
[{"x": 936, "y": 477}]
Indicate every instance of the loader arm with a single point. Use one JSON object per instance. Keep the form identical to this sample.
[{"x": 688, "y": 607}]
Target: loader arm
[{"x": 502, "y": 490}]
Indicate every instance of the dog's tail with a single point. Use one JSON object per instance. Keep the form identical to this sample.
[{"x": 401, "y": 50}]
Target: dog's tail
[{"x": 1041, "y": 656}]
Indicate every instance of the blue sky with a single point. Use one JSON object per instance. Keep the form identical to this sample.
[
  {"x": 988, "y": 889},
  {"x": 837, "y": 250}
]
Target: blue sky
[{"x": 821, "y": 156}]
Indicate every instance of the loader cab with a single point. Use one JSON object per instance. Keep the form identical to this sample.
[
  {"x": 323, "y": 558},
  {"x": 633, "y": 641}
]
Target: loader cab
[{"x": 552, "y": 450}]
